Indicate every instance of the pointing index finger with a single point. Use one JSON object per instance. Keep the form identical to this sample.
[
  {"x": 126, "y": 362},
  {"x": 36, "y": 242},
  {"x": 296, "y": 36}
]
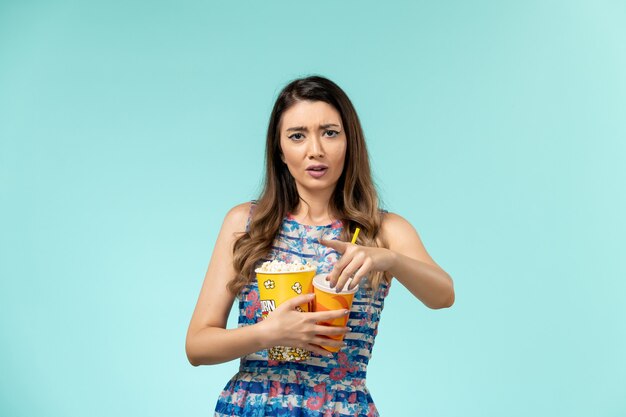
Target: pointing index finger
[{"x": 338, "y": 245}]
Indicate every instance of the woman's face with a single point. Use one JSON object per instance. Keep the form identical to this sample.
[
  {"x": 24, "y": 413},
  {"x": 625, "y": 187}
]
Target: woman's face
[{"x": 313, "y": 145}]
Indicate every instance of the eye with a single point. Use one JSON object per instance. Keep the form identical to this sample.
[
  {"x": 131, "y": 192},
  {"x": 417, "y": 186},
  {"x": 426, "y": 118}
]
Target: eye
[
  {"x": 293, "y": 137},
  {"x": 332, "y": 131}
]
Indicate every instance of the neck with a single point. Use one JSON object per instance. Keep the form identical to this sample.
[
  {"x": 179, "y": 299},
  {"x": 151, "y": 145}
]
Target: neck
[{"x": 314, "y": 206}]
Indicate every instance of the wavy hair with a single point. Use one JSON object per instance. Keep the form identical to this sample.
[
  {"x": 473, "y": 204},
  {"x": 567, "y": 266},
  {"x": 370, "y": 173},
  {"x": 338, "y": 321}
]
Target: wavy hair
[{"x": 354, "y": 200}]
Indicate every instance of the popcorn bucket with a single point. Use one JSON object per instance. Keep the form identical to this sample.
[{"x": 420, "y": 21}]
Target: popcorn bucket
[{"x": 274, "y": 289}]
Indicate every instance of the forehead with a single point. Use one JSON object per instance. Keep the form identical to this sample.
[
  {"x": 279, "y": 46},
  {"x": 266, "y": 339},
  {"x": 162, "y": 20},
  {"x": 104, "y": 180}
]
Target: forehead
[{"x": 310, "y": 113}]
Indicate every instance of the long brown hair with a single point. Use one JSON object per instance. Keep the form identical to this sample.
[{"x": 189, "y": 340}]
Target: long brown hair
[{"x": 355, "y": 200}]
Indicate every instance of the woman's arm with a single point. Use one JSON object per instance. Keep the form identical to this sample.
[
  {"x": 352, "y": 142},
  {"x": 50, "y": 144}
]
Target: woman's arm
[
  {"x": 403, "y": 256},
  {"x": 209, "y": 342},
  {"x": 412, "y": 265}
]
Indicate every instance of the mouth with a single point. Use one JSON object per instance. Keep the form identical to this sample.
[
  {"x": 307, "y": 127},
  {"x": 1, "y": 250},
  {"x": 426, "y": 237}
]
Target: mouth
[
  {"x": 317, "y": 171},
  {"x": 317, "y": 168}
]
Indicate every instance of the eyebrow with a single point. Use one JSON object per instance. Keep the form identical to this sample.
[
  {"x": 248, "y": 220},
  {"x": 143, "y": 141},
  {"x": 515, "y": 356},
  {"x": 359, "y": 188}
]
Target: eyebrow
[{"x": 304, "y": 128}]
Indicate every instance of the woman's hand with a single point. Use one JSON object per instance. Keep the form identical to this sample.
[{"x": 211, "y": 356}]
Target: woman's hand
[
  {"x": 287, "y": 326},
  {"x": 356, "y": 261}
]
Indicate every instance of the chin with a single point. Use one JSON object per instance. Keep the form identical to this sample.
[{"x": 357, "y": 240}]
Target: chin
[{"x": 318, "y": 185}]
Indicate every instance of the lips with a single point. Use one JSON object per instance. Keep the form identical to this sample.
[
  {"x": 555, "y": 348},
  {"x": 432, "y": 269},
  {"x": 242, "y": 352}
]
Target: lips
[
  {"x": 317, "y": 171},
  {"x": 318, "y": 167}
]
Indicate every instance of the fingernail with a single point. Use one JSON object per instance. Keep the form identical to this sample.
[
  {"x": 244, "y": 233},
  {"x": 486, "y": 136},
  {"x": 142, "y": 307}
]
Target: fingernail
[
  {"x": 329, "y": 355},
  {"x": 311, "y": 295},
  {"x": 346, "y": 312}
]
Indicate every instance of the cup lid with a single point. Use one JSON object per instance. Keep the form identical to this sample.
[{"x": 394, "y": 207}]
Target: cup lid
[
  {"x": 319, "y": 282},
  {"x": 308, "y": 270}
]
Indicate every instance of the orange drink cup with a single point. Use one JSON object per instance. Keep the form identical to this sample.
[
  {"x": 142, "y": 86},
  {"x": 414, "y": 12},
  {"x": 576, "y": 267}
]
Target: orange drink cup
[
  {"x": 327, "y": 298},
  {"x": 276, "y": 287}
]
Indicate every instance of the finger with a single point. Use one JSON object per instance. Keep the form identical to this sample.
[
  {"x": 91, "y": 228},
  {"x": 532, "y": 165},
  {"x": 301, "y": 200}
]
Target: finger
[
  {"x": 347, "y": 272},
  {"x": 294, "y": 302},
  {"x": 358, "y": 275},
  {"x": 353, "y": 283},
  {"x": 337, "y": 245},
  {"x": 319, "y": 351},
  {"x": 320, "y": 329},
  {"x": 327, "y": 315},
  {"x": 323, "y": 341},
  {"x": 333, "y": 276}
]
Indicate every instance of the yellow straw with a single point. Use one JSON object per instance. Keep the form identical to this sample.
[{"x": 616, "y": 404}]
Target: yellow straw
[{"x": 356, "y": 234}]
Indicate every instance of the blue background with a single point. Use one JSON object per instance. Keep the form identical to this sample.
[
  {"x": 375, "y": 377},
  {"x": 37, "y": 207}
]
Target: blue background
[{"x": 129, "y": 128}]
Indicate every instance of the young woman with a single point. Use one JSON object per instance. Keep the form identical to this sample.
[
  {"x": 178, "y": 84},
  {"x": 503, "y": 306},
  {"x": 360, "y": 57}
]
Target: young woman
[{"x": 318, "y": 189}]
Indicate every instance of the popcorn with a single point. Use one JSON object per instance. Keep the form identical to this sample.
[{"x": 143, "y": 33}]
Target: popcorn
[
  {"x": 280, "y": 266},
  {"x": 285, "y": 353}
]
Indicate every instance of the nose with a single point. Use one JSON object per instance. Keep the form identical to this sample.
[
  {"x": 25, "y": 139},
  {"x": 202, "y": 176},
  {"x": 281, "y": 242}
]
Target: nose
[{"x": 315, "y": 148}]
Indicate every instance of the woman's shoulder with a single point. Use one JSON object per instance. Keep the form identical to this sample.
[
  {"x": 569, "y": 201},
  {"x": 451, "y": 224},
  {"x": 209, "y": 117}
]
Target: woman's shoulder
[
  {"x": 390, "y": 217},
  {"x": 238, "y": 216},
  {"x": 392, "y": 225}
]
